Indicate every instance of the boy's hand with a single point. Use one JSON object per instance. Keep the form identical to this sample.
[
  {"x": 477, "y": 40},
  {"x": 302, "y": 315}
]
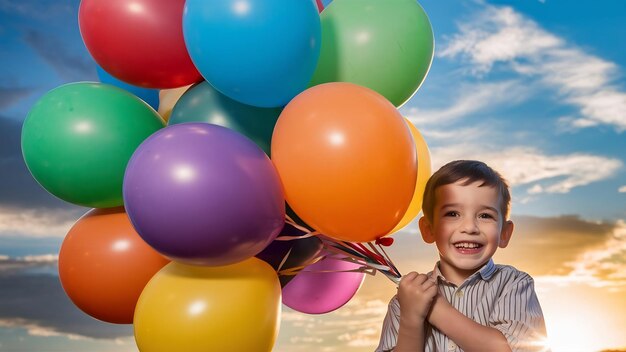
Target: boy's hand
[{"x": 416, "y": 294}]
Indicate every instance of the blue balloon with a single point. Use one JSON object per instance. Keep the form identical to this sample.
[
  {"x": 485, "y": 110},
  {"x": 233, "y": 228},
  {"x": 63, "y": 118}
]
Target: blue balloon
[
  {"x": 150, "y": 96},
  {"x": 258, "y": 52},
  {"x": 326, "y": 2}
]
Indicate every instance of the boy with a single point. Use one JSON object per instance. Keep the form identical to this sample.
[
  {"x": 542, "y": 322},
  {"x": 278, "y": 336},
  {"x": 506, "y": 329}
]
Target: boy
[{"x": 467, "y": 303}]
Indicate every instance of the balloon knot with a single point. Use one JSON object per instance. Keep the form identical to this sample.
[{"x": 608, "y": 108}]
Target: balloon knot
[{"x": 384, "y": 241}]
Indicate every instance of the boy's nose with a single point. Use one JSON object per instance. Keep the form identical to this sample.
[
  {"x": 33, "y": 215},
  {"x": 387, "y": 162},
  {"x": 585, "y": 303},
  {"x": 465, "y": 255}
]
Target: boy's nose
[{"x": 470, "y": 226}]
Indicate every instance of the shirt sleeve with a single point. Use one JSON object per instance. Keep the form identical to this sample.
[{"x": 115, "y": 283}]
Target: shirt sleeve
[
  {"x": 517, "y": 314},
  {"x": 389, "y": 334}
]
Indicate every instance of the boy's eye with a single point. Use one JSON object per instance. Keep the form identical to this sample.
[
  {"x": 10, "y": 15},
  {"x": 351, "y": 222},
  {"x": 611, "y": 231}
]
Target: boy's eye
[
  {"x": 486, "y": 216},
  {"x": 451, "y": 213}
]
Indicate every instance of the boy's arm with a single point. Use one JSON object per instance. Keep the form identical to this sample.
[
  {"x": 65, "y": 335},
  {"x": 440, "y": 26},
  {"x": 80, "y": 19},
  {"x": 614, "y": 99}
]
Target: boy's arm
[
  {"x": 466, "y": 333},
  {"x": 516, "y": 321},
  {"x": 416, "y": 295},
  {"x": 411, "y": 335}
]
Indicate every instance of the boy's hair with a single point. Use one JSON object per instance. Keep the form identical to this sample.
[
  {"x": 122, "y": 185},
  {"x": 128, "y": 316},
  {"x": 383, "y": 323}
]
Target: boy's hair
[{"x": 471, "y": 171}]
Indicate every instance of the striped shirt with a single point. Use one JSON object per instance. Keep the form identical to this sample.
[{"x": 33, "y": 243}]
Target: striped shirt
[{"x": 498, "y": 296}]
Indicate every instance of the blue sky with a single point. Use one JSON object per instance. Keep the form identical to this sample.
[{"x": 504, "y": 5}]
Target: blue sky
[{"x": 534, "y": 88}]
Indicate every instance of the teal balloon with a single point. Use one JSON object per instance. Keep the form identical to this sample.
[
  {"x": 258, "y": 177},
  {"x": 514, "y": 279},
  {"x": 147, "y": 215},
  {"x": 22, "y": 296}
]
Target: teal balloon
[
  {"x": 78, "y": 138},
  {"x": 203, "y": 103},
  {"x": 385, "y": 45}
]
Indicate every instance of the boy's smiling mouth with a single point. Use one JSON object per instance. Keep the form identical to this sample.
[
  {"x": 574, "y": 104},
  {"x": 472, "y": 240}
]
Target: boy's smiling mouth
[{"x": 468, "y": 247}]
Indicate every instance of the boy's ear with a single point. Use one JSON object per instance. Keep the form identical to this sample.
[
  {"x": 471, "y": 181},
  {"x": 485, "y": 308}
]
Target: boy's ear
[
  {"x": 426, "y": 230},
  {"x": 507, "y": 232}
]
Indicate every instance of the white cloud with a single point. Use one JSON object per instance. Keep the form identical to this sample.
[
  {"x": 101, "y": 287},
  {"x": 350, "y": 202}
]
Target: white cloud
[
  {"x": 601, "y": 266},
  {"x": 355, "y": 326},
  {"x": 44, "y": 258},
  {"x": 622, "y": 189},
  {"x": 500, "y": 35},
  {"x": 604, "y": 266},
  {"x": 36, "y": 222},
  {"x": 19, "y": 264},
  {"x": 474, "y": 98},
  {"x": 529, "y": 166},
  {"x": 34, "y": 329}
]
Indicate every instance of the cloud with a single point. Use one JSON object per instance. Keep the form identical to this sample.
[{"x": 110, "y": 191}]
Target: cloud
[
  {"x": 70, "y": 65},
  {"x": 13, "y": 265},
  {"x": 544, "y": 246},
  {"x": 495, "y": 35},
  {"x": 352, "y": 327},
  {"x": 622, "y": 189},
  {"x": 36, "y": 302},
  {"x": 501, "y": 39},
  {"x": 604, "y": 266},
  {"x": 471, "y": 99},
  {"x": 35, "y": 330},
  {"x": 527, "y": 166},
  {"x": 37, "y": 222},
  {"x": 10, "y": 96}
]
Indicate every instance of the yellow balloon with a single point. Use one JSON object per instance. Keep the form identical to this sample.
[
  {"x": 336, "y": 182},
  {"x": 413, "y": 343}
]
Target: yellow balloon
[
  {"x": 424, "y": 170},
  {"x": 168, "y": 98},
  {"x": 198, "y": 308}
]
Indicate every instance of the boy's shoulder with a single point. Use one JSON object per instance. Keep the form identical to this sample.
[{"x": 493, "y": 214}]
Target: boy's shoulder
[
  {"x": 511, "y": 270},
  {"x": 509, "y": 274}
]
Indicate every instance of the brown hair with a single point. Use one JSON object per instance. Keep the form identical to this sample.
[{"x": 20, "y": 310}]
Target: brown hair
[{"x": 472, "y": 171}]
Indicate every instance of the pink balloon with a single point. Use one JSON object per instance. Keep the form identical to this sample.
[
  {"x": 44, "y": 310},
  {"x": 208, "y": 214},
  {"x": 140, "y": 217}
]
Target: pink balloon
[{"x": 315, "y": 291}]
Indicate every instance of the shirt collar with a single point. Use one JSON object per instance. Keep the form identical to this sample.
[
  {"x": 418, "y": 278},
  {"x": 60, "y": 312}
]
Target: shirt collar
[{"x": 485, "y": 272}]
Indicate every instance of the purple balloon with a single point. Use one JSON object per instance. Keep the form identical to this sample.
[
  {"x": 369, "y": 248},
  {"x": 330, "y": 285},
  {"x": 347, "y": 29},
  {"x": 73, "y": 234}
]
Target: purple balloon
[
  {"x": 203, "y": 194},
  {"x": 314, "y": 291}
]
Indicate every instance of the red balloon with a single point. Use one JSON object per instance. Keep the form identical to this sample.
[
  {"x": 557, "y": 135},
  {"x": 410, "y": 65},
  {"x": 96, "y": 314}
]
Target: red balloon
[
  {"x": 139, "y": 42},
  {"x": 320, "y": 5},
  {"x": 104, "y": 265}
]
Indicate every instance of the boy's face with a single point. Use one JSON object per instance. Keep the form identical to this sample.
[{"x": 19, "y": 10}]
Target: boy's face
[{"x": 468, "y": 227}]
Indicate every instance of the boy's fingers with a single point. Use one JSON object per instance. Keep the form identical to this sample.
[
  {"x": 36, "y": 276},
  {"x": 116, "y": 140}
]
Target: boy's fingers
[
  {"x": 412, "y": 274},
  {"x": 408, "y": 277},
  {"x": 428, "y": 284},
  {"x": 421, "y": 279}
]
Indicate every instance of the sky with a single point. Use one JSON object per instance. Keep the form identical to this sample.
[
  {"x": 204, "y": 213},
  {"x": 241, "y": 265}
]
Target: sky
[{"x": 534, "y": 88}]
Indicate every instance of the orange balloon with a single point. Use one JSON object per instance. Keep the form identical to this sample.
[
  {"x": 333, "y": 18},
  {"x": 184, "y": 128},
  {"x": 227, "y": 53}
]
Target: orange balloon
[
  {"x": 346, "y": 159},
  {"x": 104, "y": 265},
  {"x": 424, "y": 169}
]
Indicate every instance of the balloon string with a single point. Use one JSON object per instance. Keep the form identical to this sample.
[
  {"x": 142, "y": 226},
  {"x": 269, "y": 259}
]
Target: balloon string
[
  {"x": 372, "y": 260},
  {"x": 292, "y": 222},
  {"x": 282, "y": 262},
  {"x": 389, "y": 271},
  {"x": 384, "y": 256},
  {"x": 290, "y": 238},
  {"x": 308, "y": 233},
  {"x": 296, "y": 269},
  {"x": 388, "y": 258}
]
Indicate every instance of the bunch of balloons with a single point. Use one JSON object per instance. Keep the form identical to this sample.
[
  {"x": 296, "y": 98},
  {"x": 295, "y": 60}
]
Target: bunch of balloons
[{"x": 261, "y": 103}]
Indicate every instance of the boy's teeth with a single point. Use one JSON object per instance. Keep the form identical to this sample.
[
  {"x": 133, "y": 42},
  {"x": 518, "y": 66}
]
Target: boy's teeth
[{"x": 466, "y": 245}]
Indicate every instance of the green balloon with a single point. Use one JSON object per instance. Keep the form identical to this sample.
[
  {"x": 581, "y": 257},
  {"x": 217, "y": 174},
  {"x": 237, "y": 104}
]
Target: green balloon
[
  {"x": 385, "y": 45},
  {"x": 78, "y": 138},
  {"x": 203, "y": 103}
]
